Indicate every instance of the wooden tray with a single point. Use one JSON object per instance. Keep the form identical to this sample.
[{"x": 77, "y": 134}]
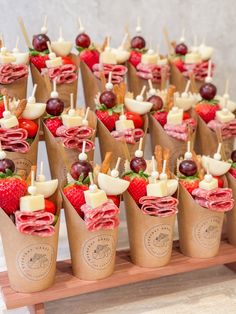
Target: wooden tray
[{"x": 66, "y": 285}]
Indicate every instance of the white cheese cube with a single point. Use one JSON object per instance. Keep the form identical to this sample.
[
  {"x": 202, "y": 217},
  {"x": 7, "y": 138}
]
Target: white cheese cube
[
  {"x": 7, "y": 58},
  {"x": 185, "y": 103},
  {"x": 224, "y": 116},
  {"x": 71, "y": 121},
  {"x": 213, "y": 184},
  {"x": 175, "y": 116},
  {"x": 108, "y": 57},
  {"x": 158, "y": 189},
  {"x": 124, "y": 125},
  {"x": 95, "y": 199},
  {"x": 149, "y": 58},
  {"x": 192, "y": 57},
  {"x": 10, "y": 122},
  {"x": 54, "y": 62},
  {"x": 31, "y": 203}
]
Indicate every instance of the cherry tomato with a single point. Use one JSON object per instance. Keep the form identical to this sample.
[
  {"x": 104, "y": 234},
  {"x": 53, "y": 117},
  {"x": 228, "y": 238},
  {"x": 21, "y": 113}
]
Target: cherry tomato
[
  {"x": 30, "y": 126},
  {"x": 137, "y": 119},
  {"x": 220, "y": 181},
  {"x": 186, "y": 116},
  {"x": 50, "y": 207},
  {"x": 67, "y": 60},
  {"x": 115, "y": 199}
]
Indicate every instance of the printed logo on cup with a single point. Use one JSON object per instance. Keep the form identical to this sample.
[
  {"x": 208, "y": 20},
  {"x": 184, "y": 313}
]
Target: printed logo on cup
[
  {"x": 35, "y": 261},
  {"x": 207, "y": 232},
  {"x": 23, "y": 165},
  {"x": 158, "y": 239},
  {"x": 98, "y": 251}
]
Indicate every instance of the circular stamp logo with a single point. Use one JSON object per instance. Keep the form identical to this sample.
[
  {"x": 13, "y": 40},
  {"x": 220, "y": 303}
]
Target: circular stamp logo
[
  {"x": 99, "y": 251},
  {"x": 158, "y": 239},
  {"x": 35, "y": 261},
  {"x": 23, "y": 165},
  {"x": 207, "y": 232}
]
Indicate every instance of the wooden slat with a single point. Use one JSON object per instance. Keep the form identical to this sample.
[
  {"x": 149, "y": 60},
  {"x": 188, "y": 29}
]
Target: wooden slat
[{"x": 66, "y": 285}]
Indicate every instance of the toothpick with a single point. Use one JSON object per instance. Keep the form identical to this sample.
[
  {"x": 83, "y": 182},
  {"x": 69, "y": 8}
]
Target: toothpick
[
  {"x": 140, "y": 144},
  {"x": 24, "y": 32},
  {"x": 118, "y": 163},
  {"x": 34, "y": 90},
  {"x": 227, "y": 86},
  {"x": 110, "y": 77},
  {"x": 122, "y": 110},
  {"x": 207, "y": 168},
  {"x": 91, "y": 178},
  {"x": 168, "y": 42},
  {"x": 71, "y": 101},
  {"x": 138, "y": 26},
  {"x": 17, "y": 42},
  {"x": 154, "y": 168},
  {"x": 187, "y": 86},
  {"x": 5, "y": 103},
  {"x": 182, "y": 38},
  {"x": 143, "y": 90},
  {"x": 83, "y": 147},
  {"x": 219, "y": 148},
  {"x": 49, "y": 47},
  {"x": 41, "y": 168},
  {"x": 124, "y": 40},
  {"x": 86, "y": 113},
  {"x": 81, "y": 27},
  {"x": 32, "y": 177},
  {"x": 45, "y": 21},
  {"x": 108, "y": 41},
  {"x": 54, "y": 85},
  {"x": 189, "y": 147},
  {"x": 60, "y": 32},
  {"x": 2, "y": 40},
  {"x": 209, "y": 68},
  {"x": 150, "y": 84}
]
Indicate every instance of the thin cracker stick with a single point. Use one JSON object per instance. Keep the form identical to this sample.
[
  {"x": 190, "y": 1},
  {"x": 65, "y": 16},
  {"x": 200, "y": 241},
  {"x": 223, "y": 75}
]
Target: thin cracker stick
[
  {"x": 158, "y": 156},
  {"x": 193, "y": 83},
  {"x": 96, "y": 170},
  {"x": 32, "y": 169},
  {"x": 106, "y": 162},
  {"x": 20, "y": 108},
  {"x": 220, "y": 140},
  {"x": 170, "y": 97},
  {"x": 166, "y": 156},
  {"x": 105, "y": 42}
]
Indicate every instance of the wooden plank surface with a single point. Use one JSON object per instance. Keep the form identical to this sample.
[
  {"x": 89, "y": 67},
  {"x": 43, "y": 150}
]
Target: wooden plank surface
[{"x": 66, "y": 285}]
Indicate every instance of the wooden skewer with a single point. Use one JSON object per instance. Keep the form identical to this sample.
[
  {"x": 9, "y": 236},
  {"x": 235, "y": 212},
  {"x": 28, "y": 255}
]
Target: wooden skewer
[
  {"x": 220, "y": 140},
  {"x": 24, "y": 32},
  {"x": 168, "y": 42}
]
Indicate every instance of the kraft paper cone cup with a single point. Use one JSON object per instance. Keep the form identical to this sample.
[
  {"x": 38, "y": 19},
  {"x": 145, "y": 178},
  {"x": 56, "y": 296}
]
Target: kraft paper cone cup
[
  {"x": 22, "y": 250},
  {"x": 17, "y": 89},
  {"x": 159, "y": 137},
  {"x": 135, "y": 83},
  {"x": 107, "y": 143},
  {"x": 177, "y": 79},
  {"x": 207, "y": 142},
  {"x": 57, "y": 166},
  {"x": 23, "y": 162},
  {"x": 91, "y": 85},
  {"x": 199, "y": 228},
  {"x": 231, "y": 215},
  {"x": 43, "y": 94},
  {"x": 150, "y": 237},
  {"x": 92, "y": 253}
]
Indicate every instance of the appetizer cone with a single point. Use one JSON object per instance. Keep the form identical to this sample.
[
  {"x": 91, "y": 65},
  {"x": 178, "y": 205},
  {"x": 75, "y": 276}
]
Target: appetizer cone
[
  {"x": 231, "y": 215},
  {"x": 17, "y": 89},
  {"x": 31, "y": 260},
  {"x": 150, "y": 237}
]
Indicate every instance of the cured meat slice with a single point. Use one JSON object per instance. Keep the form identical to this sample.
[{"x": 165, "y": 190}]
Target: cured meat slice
[
  {"x": 105, "y": 224},
  {"x": 75, "y": 143},
  {"x": 221, "y": 206},
  {"x": 159, "y": 206},
  {"x": 13, "y": 134},
  {"x": 14, "y": 140},
  {"x": 66, "y": 73},
  {"x": 68, "y": 68},
  {"x": 12, "y": 72},
  {"x": 152, "y": 71},
  {"x": 227, "y": 129},
  {"x": 16, "y": 146},
  {"x": 131, "y": 136},
  {"x": 118, "y": 71},
  {"x": 180, "y": 131},
  {"x": 219, "y": 194},
  {"x": 31, "y": 229}
]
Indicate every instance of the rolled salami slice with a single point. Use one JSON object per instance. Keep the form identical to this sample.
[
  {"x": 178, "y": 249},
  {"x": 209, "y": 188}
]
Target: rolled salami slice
[
  {"x": 220, "y": 206},
  {"x": 159, "y": 206},
  {"x": 38, "y": 217},
  {"x": 219, "y": 194},
  {"x": 31, "y": 229}
]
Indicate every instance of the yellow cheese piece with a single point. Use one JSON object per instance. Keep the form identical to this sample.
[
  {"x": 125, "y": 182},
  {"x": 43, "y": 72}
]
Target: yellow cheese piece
[
  {"x": 108, "y": 57},
  {"x": 224, "y": 116},
  {"x": 175, "y": 116},
  {"x": 10, "y": 122},
  {"x": 71, "y": 121},
  {"x": 31, "y": 203},
  {"x": 193, "y": 57},
  {"x": 124, "y": 125},
  {"x": 7, "y": 58},
  {"x": 158, "y": 189},
  {"x": 213, "y": 184},
  {"x": 149, "y": 58},
  {"x": 54, "y": 62},
  {"x": 95, "y": 199}
]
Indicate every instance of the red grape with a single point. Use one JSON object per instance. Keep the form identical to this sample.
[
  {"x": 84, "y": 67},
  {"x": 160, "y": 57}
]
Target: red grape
[
  {"x": 81, "y": 167},
  {"x": 156, "y": 101},
  {"x": 82, "y": 40},
  {"x": 138, "y": 164},
  {"x": 233, "y": 155},
  {"x": 138, "y": 42},
  {"x": 181, "y": 49},
  {"x": 6, "y": 164},
  {"x": 208, "y": 91},
  {"x": 40, "y": 42},
  {"x": 108, "y": 98},
  {"x": 55, "y": 106},
  {"x": 188, "y": 168}
]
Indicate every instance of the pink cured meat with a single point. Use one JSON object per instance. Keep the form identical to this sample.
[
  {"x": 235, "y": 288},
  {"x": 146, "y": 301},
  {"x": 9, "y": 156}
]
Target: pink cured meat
[
  {"x": 220, "y": 206},
  {"x": 219, "y": 194},
  {"x": 104, "y": 216},
  {"x": 12, "y": 72},
  {"x": 13, "y": 134},
  {"x": 116, "y": 79},
  {"x": 54, "y": 72},
  {"x": 15, "y": 146},
  {"x": 75, "y": 143},
  {"x": 131, "y": 136},
  {"x": 158, "y": 206},
  {"x": 14, "y": 140},
  {"x": 228, "y": 130},
  {"x": 118, "y": 71},
  {"x": 199, "y": 70},
  {"x": 35, "y": 223},
  {"x": 152, "y": 71},
  {"x": 66, "y": 73},
  {"x": 68, "y": 68},
  {"x": 180, "y": 131}
]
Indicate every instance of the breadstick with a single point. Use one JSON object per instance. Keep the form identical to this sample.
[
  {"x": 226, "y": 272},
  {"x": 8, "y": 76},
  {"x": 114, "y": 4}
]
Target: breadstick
[
  {"x": 122, "y": 92},
  {"x": 96, "y": 170},
  {"x": 201, "y": 173},
  {"x": 32, "y": 169},
  {"x": 116, "y": 90},
  {"x": 193, "y": 83},
  {"x": 170, "y": 97},
  {"x": 158, "y": 156},
  {"x": 20, "y": 108},
  {"x": 166, "y": 156},
  {"x": 106, "y": 163}
]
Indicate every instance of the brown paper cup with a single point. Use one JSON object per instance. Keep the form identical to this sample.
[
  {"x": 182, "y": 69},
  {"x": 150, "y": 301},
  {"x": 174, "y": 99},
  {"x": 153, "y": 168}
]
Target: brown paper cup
[
  {"x": 207, "y": 142},
  {"x": 159, "y": 137},
  {"x": 150, "y": 238},
  {"x": 108, "y": 144},
  {"x": 17, "y": 89},
  {"x": 199, "y": 228},
  {"x": 57, "y": 166},
  {"x": 31, "y": 260},
  {"x": 177, "y": 79},
  {"x": 231, "y": 215},
  {"x": 23, "y": 162},
  {"x": 92, "y": 253},
  {"x": 43, "y": 94}
]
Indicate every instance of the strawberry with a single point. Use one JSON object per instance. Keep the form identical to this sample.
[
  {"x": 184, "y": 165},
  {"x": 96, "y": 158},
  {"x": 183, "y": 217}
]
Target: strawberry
[
  {"x": 186, "y": 115},
  {"x": 53, "y": 124},
  {"x": 67, "y": 60},
  {"x": 135, "y": 58},
  {"x": 12, "y": 188},
  {"x": 190, "y": 183},
  {"x": 75, "y": 194},
  {"x": 39, "y": 61},
  {"x": 220, "y": 181},
  {"x": 107, "y": 118},
  {"x": 161, "y": 117},
  {"x": 179, "y": 64},
  {"x": 138, "y": 184},
  {"x": 207, "y": 110},
  {"x": 90, "y": 57},
  {"x": 232, "y": 170},
  {"x": 1, "y": 108},
  {"x": 115, "y": 199}
]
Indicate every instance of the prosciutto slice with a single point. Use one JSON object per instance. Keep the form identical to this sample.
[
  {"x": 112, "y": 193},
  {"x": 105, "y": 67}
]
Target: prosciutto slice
[
  {"x": 180, "y": 131},
  {"x": 10, "y": 73},
  {"x": 152, "y": 71},
  {"x": 131, "y": 136},
  {"x": 228, "y": 129},
  {"x": 158, "y": 206},
  {"x": 14, "y": 140},
  {"x": 219, "y": 199},
  {"x": 118, "y": 71},
  {"x": 64, "y": 74},
  {"x": 104, "y": 216},
  {"x": 35, "y": 223}
]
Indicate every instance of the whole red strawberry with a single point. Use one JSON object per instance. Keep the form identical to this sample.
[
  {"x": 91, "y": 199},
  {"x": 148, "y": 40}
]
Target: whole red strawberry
[
  {"x": 135, "y": 58},
  {"x": 90, "y": 57},
  {"x": 179, "y": 64},
  {"x": 161, "y": 117},
  {"x": 207, "y": 110},
  {"x": 1, "y": 108},
  {"x": 75, "y": 194},
  {"x": 232, "y": 171},
  {"x": 11, "y": 190},
  {"x": 138, "y": 185},
  {"x": 67, "y": 60},
  {"x": 39, "y": 61},
  {"x": 115, "y": 199},
  {"x": 190, "y": 183},
  {"x": 107, "y": 118},
  {"x": 53, "y": 124}
]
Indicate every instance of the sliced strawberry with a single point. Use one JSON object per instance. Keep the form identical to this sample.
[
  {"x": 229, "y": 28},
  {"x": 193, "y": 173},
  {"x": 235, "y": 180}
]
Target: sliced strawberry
[
  {"x": 207, "y": 110},
  {"x": 186, "y": 115},
  {"x": 135, "y": 58},
  {"x": 108, "y": 119},
  {"x": 90, "y": 57},
  {"x": 138, "y": 184},
  {"x": 220, "y": 181},
  {"x": 75, "y": 194},
  {"x": 190, "y": 183},
  {"x": 179, "y": 64},
  {"x": 39, "y": 61},
  {"x": 115, "y": 199},
  {"x": 53, "y": 124},
  {"x": 161, "y": 117}
]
